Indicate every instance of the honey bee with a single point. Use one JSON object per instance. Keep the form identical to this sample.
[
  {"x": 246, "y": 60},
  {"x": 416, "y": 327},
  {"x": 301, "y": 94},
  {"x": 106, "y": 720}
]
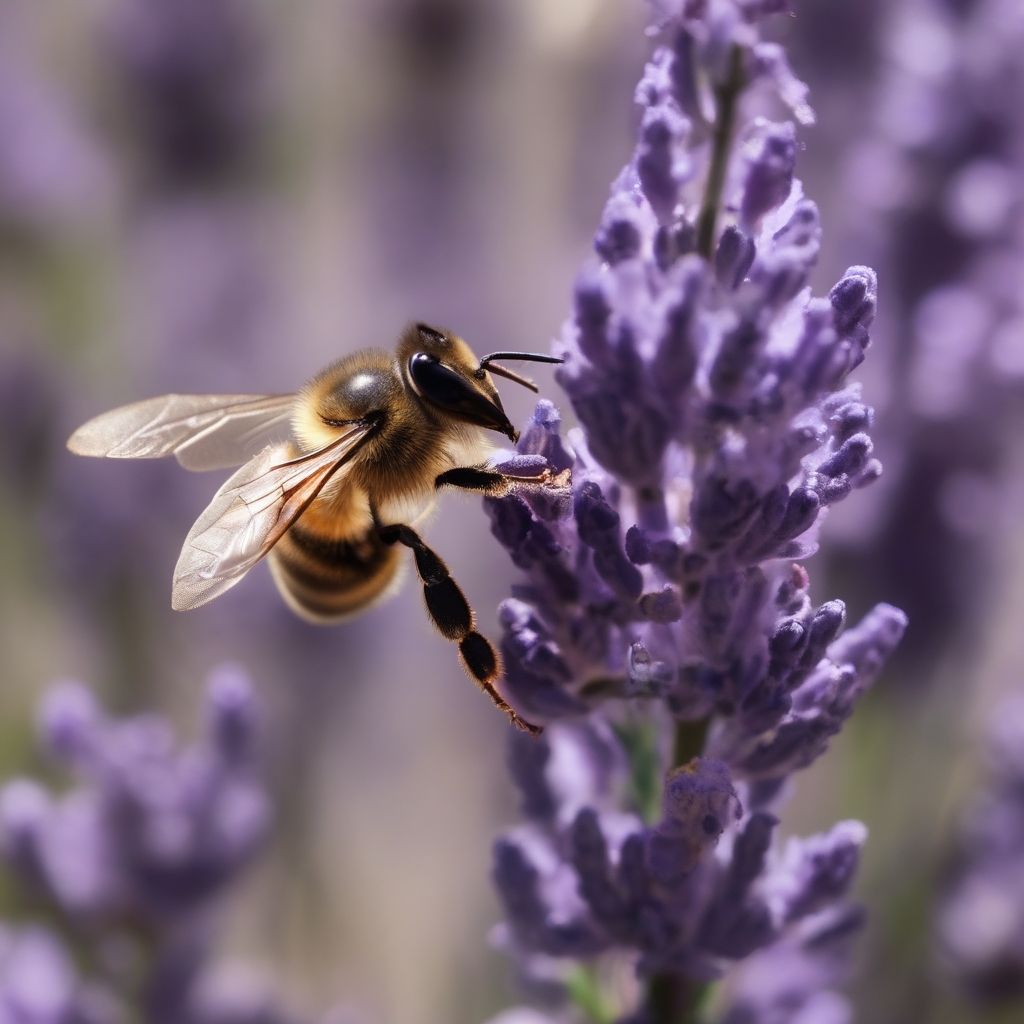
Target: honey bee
[{"x": 373, "y": 437}]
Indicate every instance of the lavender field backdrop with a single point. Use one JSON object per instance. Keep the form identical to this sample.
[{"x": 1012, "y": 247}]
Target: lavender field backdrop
[{"x": 774, "y": 632}]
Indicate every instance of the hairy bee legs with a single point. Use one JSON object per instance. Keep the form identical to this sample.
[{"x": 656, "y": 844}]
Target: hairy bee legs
[
  {"x": 492, "y": 484},
  {"x": 450, "y": 612}
]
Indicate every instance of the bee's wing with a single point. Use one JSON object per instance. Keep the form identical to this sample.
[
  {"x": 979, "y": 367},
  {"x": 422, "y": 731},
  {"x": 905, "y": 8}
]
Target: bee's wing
[
  {"x": 251, "y": 513},
  {"x": 201, "y": 431}
]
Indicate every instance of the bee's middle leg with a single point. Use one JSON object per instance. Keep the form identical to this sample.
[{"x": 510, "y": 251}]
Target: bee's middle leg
[{"x": 450, "y": 612}]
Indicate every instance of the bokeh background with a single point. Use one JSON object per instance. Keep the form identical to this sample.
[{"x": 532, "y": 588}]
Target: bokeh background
[{"x": 225, "y": 195}]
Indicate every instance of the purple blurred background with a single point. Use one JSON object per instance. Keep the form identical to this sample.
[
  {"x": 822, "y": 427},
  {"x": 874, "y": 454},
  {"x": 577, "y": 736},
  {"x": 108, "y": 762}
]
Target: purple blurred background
[{"x": 224, "y": 196}]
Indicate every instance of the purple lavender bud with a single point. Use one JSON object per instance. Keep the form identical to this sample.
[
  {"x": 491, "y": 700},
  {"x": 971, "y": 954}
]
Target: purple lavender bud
[
  {"x": 832, "y": 491},
  {"x": 824, "y": 627},
  {"x": 871, "y": 472},
  {"x": 786, "y": 645},
  {"x": 849, "y": 459},
  {"x": 851, "y": 418},
  {"x": 675, "y": 358},
  {"x": 718, "y": 601},
  {"x": 593, "y": 314},
  {"x": 69, "y": 721},
  {"x": 816, "y": 872},
  {"x": 750, "y": 852},
  {"x": 624, "y": 226},
  {"x": 638, "y": 546},
  {"x": 769, "y": 178},
  {"x": 511, "y": 521},
  {"x": 671, "y": 241},
  {"x": 770, "y": 62},
  {"x": 869, "y": 644},
  {"x": 232, "y": 713},
  {"x": 589, "y": 856},
  {"x": 802, "y": 230},
  {"x": 854, "y": 299},
  {"x": 598, "y": 525},
  {"x": 558, "y": 930},
  {"x": 534, "y": 693},
  {"x": 801, "y": 512},
  {"x": 763, "y": 531},
  {"x": 542, "y": 437},
  {"x": 660, "y": 133},
  {"x": 594, "y": 515},
  {"x": 527, "y": 758},
  {"x": 524, "y": 465},
  {"x": 737, "y": 931},
  {"x": 25, "y": 809},
  {"x": 682, "y": 71},
  {"x": 722, "y": 510},
  {"x": 517, "y": 882},
  {"x": 737, "y": 354},
  {"x": 733, "y": 257},
  {"x": 655, "y": 83}
]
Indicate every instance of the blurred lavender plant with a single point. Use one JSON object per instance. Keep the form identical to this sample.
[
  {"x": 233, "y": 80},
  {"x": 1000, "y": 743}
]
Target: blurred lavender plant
[
  {"x": 935, "y": 187},
  {"x": 52, "y": 175},
  {"x": 132, "y": 862},
  {"x": 39, "y": 983},
  {"x": 980, "y": 931},
  {"x": 195, "y": 91},
  {"x": 717, "y": 422}
]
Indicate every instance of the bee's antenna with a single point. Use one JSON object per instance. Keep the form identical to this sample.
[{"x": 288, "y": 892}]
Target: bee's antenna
[{"x": 503, "y": 371}]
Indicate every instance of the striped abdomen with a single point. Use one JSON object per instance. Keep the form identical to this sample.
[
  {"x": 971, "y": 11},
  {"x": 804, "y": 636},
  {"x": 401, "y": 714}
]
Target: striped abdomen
[{"x": 326, "y": 579}]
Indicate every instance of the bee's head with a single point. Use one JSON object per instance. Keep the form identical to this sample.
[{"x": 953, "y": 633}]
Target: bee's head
[{"x": 443, "y": 372}]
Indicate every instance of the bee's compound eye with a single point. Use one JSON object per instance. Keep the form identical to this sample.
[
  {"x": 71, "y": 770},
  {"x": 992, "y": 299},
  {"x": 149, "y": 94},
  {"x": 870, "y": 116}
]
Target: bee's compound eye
[
  {"x": 442, "y": 387},
  {"x": 436, "y": 382}
]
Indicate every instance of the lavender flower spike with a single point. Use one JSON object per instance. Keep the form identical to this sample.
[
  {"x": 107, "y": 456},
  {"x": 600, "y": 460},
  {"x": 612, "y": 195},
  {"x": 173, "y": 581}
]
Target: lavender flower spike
[
  {"x": 665, "y": 628},
  {"x": 153, "y": 831},
  {"x": 136, "y": 855}
]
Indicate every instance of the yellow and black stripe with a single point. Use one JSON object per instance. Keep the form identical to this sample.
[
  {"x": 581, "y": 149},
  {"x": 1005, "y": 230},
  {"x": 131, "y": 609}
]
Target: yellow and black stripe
[{"x": 327, "y": 580}]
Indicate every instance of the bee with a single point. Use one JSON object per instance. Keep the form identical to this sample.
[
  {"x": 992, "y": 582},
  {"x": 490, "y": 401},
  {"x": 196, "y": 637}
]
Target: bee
[{"x": 335, "y": 478}]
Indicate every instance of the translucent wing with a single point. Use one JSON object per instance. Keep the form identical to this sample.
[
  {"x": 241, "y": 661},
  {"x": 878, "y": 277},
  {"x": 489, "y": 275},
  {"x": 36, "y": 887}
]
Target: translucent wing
[
  {"x": 201, "y": 431},
  {"x": 251, "y": 513}
]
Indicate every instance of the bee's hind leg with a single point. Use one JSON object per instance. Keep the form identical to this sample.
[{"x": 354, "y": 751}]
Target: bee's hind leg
[{"x": 450, "y": 612}]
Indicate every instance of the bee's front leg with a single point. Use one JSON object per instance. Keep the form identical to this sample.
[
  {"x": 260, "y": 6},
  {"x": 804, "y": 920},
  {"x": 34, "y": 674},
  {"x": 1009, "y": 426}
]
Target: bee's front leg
[{"x": 494, "y": 484}]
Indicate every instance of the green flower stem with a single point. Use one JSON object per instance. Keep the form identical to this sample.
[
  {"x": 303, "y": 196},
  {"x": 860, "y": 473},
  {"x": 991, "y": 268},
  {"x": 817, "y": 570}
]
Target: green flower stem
[
  {"x": 671, "y": 998},
  {"x": 726, "y": 96},
  {"x": 585, "y": 994},
  {"x": 690, "y": 737}
]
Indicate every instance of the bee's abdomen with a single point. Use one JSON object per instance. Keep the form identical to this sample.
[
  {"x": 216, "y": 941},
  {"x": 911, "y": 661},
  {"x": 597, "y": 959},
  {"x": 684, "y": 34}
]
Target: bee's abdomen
[{"x": 326, "y": 580}]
